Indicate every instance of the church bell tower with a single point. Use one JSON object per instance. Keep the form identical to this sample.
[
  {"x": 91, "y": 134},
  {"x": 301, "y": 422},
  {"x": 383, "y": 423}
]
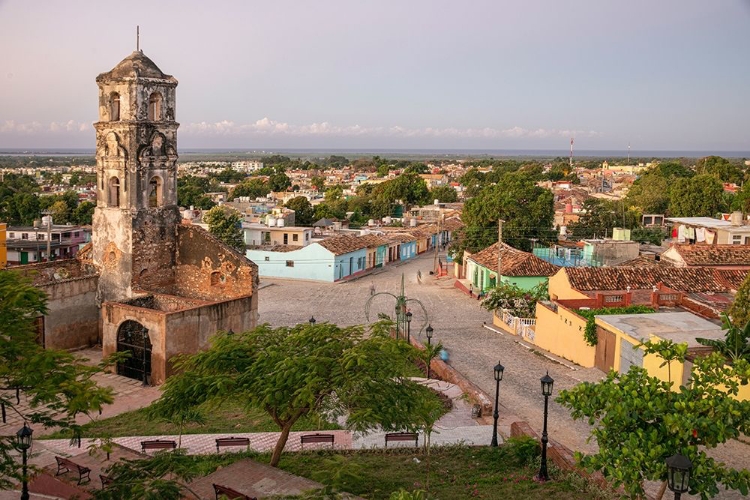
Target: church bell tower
[{"x": 135, "y": 221}]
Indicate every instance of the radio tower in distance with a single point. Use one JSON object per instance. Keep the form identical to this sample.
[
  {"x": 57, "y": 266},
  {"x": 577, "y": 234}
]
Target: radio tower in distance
[{"x": 571, "y": 153}]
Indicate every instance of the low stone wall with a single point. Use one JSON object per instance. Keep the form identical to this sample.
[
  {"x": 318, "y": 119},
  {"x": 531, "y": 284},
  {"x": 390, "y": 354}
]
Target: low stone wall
[{"x": 447, "y": 373}]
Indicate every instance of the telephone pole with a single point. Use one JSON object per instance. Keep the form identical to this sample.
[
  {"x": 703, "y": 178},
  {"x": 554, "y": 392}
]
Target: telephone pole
[
  {"x": 437, "y": 246},
  {"x": 499, "y": 250}
]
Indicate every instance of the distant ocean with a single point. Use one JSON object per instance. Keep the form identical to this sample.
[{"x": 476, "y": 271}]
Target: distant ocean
[{"x": 434, "y": 153}]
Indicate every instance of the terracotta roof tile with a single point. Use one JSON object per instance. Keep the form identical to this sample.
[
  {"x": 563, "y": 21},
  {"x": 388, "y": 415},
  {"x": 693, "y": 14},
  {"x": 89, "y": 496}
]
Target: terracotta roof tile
[
  {"x": 732, "y": 278},
  {"x": 339, "y": 245},
  {"x": 374, "y": 240},
  {"x": 642, "y": 261},
  {"x": 515, "y": 262},
  {"x": 683, "y": 279},
  {"x": 714, "y": 255}
]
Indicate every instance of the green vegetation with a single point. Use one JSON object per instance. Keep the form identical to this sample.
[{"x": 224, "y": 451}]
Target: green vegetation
[
  {"x": 453, "y": 472},
  {"x": 639, "y": 420},
  {"x": 589, "y": 333},
  {"x": 306, "y": 370},
  {"x": 226, "y": 417},
  {"x": 736, "y": 342},
  {"x": 57, "y": 385},
  {"x": 225, "y": 223},
  {"x": 520, "y": 303}
]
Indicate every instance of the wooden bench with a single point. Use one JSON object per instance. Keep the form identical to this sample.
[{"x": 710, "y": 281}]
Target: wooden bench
[
  {"x": 106, "y": 480},
  {"x": 401, "y": 436},
  {"x": 70, "y": 466},
  {"x": 230, "y": 493},
  {"x": 316, "y": 438},
  {"x": 158, "y": 444},
  {"x": 232, "y": 441}
]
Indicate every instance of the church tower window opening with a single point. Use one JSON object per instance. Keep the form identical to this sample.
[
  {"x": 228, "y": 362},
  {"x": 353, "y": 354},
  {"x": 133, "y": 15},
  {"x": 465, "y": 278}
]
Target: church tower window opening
[
  {"x": 114, "y": 192},
  {"x": 114, "y": 107},
  {"x": 155, "y": 192},
  {"x": 154, "y": 107}
]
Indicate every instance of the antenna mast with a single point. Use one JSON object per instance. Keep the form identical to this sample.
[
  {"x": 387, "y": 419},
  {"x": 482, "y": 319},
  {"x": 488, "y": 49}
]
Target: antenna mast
[
  {"x": 571, "y": 152},
  {"x": 137, "y": 38},
  {"x": 628, "y": 152}
]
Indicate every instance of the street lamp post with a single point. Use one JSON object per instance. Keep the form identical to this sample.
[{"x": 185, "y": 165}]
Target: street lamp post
[
  {"x": 499, "y": 369},
  {"x": 429, "y": 331},
  {"x": 678, "y": 474},
  {"x": 312, "y": 320},
  {"x": 408, "y": 327},
  {"x": 23, "y": 443},
  {"x": 547, "y": 383}
]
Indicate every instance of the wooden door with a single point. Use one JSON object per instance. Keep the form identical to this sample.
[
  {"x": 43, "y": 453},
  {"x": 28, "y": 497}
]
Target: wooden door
[{"x": 605, "y": 350}]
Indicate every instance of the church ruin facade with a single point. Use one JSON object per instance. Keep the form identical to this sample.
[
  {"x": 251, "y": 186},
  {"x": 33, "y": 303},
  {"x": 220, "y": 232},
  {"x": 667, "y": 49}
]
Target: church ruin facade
[{"x": 146, "y": 284}]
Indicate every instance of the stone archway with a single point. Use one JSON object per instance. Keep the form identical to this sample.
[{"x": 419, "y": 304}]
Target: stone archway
[{"x": 132, "y": 337}]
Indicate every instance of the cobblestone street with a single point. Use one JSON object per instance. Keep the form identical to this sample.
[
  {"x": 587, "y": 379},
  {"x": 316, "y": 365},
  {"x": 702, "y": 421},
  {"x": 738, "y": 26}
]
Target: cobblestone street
[{"x": 458, "y": 323}]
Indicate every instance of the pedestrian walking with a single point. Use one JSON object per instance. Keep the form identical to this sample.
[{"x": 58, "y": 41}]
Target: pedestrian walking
[{"x": 372, "y": 288}]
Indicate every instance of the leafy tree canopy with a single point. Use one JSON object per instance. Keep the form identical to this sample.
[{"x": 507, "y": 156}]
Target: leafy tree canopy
[
  {"x": 446, "y": 194},
  {"x": 226, "y": 224},
  {"x": 700, "y": 196},
  {"x": 600, "y": 217},
  {"x": 641, "y": 420},
  {"x": 55, "y": 383},
  {"x": 303, "y": 210},
  {"x": 303, "y": 370},
  {"x": 254, "y": 187}
]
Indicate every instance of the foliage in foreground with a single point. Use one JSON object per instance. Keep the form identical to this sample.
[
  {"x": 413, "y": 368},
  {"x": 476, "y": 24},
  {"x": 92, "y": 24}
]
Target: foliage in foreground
[
  {"x": 589, "y": 334},
  {"x": 641, "y": 420},
  {"x": 306, "y": 370},
  {"x": 456, "y": 472},
  {"x": 56, "y": 385},
  {"x": 520, "y": 303}
]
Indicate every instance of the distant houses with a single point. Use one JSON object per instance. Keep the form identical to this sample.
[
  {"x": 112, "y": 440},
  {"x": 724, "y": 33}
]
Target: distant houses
[
  {"x": 344, "y": 256},
  {"x": 519, "y": 268}
]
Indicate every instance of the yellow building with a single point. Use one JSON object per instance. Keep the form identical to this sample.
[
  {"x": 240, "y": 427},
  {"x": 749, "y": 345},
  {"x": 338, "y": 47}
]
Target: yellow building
[{"x": 3, "y": 246}]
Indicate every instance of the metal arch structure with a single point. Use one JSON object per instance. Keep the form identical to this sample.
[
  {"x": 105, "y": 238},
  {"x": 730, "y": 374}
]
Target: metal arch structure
[{"x": 401, "y": 308}]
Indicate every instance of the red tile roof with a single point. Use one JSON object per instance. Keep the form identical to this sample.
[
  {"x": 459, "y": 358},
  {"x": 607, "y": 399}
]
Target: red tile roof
[
  {"x": 683, "y": 279},
  {"x": 339, "y": 245},
  {"x": 714, "y": 255},
  {"x": 515, "y": 262}
]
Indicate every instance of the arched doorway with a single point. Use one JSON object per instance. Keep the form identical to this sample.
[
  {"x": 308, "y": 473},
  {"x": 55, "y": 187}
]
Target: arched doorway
[{"x": 133, "y": 337}]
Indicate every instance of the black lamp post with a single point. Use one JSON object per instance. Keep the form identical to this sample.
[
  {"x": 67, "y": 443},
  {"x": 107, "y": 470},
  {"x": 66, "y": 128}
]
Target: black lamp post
[
  {"x": 23, "y": 443},
  {"x": 312, "y": 320},
  {"x": 498, "y": 377},
  {"x": 429, "y": 331},
  {"x": 408, "y": 327},
  {"x": 678, "y": 474},
  {"x": 547, "y": 383}
]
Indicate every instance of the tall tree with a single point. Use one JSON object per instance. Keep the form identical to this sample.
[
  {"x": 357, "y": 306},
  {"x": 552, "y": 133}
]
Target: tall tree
[
  {"x": 700, "y": 196},
  {"x": 640, "y": 420},
  {"x": 739, "y": 311},
  {"x": 255, "y": 187},
  {"x": 446, "y": 194},
  {"x": 720, "y": 168},
  {"x": 226, "y": 224},
  {"x": 279, "y": 182},
  {"x": 303, "y": 210},
  {"x": 84, "y": 213},
  {"x": 339, "y": 371},
  {"x": 56, "y": 385},
  {"x": 527, "y": 209},
  {"x": 600, "y": 217}
]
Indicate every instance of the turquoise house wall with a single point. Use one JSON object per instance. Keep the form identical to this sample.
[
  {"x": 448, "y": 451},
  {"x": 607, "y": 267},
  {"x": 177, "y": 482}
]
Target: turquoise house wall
[
  {"x": 350, "y": 263},
  {"x": 312, "y": 262},
  {"x": 408, "y": 250},
  {"x": 380, "y": 257}
]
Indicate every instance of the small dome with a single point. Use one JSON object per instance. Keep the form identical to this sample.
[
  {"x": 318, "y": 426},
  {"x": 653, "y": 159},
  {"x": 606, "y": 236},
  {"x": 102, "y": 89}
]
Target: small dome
[{"x": 136, "y": 65}]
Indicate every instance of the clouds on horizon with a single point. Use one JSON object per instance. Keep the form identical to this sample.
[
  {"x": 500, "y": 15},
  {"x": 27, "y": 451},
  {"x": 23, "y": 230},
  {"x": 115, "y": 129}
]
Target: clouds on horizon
[{"x": 266, "y": 127}]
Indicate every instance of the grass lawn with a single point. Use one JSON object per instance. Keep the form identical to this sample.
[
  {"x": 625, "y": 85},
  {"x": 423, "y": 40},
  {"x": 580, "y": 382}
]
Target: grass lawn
[
  {"x": 454, "y": 473},
  {"x": 227, "y": 418}
]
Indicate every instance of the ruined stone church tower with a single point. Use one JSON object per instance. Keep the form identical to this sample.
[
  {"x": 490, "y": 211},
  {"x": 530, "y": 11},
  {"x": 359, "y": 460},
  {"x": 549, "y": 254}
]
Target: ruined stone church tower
[{"x": 136, "y": 216}]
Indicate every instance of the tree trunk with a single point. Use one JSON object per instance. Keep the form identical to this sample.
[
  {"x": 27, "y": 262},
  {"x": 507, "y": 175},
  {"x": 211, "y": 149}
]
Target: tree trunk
[{"x": 283, "y": 437}]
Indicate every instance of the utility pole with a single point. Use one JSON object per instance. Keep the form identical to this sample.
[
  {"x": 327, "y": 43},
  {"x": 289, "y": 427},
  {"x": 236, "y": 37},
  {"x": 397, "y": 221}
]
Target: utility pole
[
  {"x": 437, "y": 246},
  {"x": 499, "y": 250}
]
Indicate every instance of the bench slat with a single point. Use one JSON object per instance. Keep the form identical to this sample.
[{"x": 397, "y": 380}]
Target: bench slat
[
  {"x": 402, "y": 436},
  {"x": 230, "y": 493},
  {"x": 232, "y": 441},
  {"x": 317, "y": 438},
  {"x": 158, "y": 444},
  {"x": 70, "y": 466}
]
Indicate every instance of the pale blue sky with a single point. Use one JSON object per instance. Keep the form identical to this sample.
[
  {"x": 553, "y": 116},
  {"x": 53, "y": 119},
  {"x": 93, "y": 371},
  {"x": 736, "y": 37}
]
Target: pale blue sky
[{"x": 662, "y": 75}]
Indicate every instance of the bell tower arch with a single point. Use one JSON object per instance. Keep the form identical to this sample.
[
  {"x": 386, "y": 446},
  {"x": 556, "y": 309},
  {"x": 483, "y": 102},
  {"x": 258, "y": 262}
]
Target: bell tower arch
[{"x": 135, "y": 221}]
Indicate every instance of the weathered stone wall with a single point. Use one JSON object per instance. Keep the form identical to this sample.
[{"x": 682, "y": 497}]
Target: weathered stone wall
[
  {"x": 208, "y": 269},
  {"x": 72, "y": 320},
  {"x": 112, "y": 250},
  {"x": 189, "y": 330},
  {"x": 155, "y": 249}
]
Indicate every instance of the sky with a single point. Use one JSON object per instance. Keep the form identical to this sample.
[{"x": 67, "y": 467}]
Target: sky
[{"x": 392, "y": 74}]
